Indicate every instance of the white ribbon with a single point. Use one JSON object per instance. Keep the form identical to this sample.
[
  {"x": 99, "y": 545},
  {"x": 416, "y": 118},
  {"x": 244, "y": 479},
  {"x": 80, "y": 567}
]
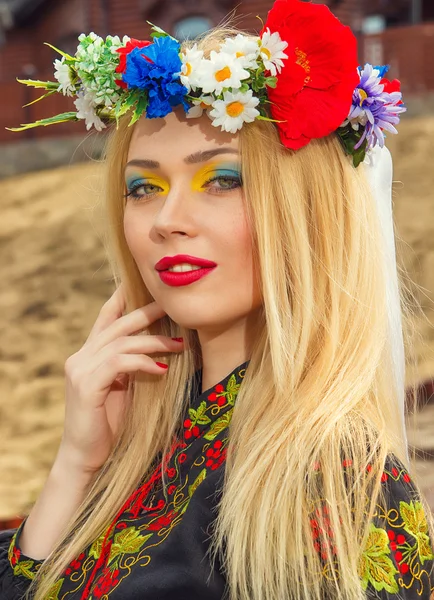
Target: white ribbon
[{"x": 379, "y": 170}]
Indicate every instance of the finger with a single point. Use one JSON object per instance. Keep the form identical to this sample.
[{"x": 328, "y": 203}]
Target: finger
[
  {"x": 110, "y": 311},
  {"x": 141, "y": 344},
  {"x": 133, "y": 322},
  {"x": 109, "y": 370}
]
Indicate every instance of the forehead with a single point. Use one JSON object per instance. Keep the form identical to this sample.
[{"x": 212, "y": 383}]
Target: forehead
[{"x": 175, "y": 136}]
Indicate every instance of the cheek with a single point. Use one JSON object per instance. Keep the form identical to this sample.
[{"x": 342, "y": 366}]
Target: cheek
[
  {"x": 240, "y": 239},
  {"x": 136, "y": 233}
]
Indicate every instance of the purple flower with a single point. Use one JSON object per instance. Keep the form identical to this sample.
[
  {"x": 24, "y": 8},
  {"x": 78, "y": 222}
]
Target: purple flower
[{"x": 373, "y": 108}]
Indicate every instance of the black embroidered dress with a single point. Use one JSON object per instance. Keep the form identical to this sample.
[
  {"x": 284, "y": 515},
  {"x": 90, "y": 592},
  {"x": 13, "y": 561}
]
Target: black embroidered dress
[{"x": 156, "y": 547}]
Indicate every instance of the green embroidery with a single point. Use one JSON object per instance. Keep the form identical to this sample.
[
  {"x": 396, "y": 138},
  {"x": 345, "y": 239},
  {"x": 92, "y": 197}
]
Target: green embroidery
[
  {"x": 375, "y": 566},
  {"x": 54, "y": 591},
  {"x": 129, "y": 541},
  {"x": 219, "y": 425},
  {"x": 415, "y": 523},
  {"x": 12, "y": 546},
  {"x": 24, "y": 567},
  {"x": 199, "y": 416},
  {"x": 193, "y": 487},
  {"x": 232, "y": 389},
  {"x": 95, "y": 549}
]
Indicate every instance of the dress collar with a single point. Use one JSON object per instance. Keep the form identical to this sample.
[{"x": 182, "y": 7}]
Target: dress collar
[{"x": 210, "y": 411}]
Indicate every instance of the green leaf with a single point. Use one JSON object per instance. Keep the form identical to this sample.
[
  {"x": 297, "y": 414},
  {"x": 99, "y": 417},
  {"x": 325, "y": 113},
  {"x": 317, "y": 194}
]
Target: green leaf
[
  {"x": 219, "y": 425},
  {"x": 376, "y": 566},
  {"x": 24, "y": 568},
  {"x": 271, "y": 82},
  {"x": 127, "y": 541},
  {"x": 46, "y": 85},
  {"x": 158, "y": 32},
  {"x": 125, "y": 103},
  {"x": 67, "y": 56},
  {"x": 40, "y": 98},
  {"x": 193, "y": 487},
  {"x": 359, "y": 157},
  {"x": 244, "y": 87},
  {"x": 55, "y": 589},
  {"x": 199, "y": 416},
  {"x": 95, "y": 549},
  {"x": 261, "y": 118},
  {"x": 63, "y": 118},
  {"x": 140, "y": 109}
]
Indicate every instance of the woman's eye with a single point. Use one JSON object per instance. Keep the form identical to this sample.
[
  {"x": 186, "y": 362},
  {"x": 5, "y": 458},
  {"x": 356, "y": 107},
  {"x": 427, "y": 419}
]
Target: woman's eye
[
  {"x": 148, "y": 189},
  {"x": 224, "y": 183}
]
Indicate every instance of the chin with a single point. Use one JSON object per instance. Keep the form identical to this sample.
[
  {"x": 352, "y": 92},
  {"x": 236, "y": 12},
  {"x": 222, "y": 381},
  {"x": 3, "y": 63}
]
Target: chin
[{"x": 193, "y": 319}]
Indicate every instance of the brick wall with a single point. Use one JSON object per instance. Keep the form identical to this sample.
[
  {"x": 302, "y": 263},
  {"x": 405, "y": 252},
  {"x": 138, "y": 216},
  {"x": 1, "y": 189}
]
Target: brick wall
[{"x": 409, "y": 51}]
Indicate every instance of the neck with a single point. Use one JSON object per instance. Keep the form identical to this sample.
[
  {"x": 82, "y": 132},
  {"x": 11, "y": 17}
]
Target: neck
[{"x": 226, "y": 348}]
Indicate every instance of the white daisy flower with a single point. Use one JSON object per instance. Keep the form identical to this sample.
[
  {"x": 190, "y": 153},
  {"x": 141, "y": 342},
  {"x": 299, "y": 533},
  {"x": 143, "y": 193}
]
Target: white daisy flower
[
  {"x": 191, "y": 60},
  {"x": 86, "y": 110},
  {"x": 271, "y": 50},
  {"x": 235, "y": 109},
  {"x": 244, "y": 48},
  {"x": 62, "y": 74},
  {"x": 199, "y": 105},
  {"x": 221, "y": 70}
]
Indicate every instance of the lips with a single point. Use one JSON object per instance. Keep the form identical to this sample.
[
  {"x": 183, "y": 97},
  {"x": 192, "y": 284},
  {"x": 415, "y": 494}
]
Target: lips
[
  {"x": 185, "y": 278},
  {"x": 170, "y": 261}
]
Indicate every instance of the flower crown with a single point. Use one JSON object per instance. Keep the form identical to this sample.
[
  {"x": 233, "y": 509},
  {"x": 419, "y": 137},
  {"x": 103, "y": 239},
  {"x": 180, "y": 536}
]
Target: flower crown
[{"x": 301, "y": 72}]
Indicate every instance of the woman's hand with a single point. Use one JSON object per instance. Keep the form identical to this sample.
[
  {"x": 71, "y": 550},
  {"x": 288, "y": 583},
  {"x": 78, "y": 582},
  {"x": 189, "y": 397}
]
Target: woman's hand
[{"x": 96, "y": 379}]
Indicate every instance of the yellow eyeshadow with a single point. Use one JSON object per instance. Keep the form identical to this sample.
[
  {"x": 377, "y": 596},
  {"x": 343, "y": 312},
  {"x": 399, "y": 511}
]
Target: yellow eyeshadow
[
  {"x": 147, "y": 178},
  {"x": 212, "y": 170}
]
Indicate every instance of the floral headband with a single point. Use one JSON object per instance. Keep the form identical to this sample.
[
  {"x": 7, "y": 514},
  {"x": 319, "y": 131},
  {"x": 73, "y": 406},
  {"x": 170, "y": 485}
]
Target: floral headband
[{"x": 302, "y": 70}]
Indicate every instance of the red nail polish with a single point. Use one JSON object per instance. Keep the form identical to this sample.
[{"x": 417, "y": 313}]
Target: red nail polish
[
  {"x": 163, "y": 365},
  {"x": 178, "y": 339}
]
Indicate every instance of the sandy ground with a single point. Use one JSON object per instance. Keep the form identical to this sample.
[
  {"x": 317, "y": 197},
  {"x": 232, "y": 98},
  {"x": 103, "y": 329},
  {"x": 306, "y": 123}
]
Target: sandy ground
[{"x": 55, "y": 279}]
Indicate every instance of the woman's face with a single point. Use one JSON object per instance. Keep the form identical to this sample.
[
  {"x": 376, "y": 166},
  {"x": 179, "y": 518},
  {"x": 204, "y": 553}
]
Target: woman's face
[{"x": 185, "y": 197}]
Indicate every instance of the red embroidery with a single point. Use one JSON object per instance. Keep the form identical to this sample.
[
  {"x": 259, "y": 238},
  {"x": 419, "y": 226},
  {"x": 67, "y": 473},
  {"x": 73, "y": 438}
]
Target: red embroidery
[
  {"x": 15, "y": 556},
  {"x": 106, "y": 582},
  {"x": 162, "y": 521},
  {"x": 215, "y": 455}
]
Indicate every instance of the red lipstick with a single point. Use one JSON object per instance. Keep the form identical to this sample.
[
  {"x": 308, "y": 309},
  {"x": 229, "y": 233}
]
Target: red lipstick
[{"x": 177, "y": 279}]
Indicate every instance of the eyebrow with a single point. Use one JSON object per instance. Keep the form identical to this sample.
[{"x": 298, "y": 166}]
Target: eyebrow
[{"x": 191, "y": 159}]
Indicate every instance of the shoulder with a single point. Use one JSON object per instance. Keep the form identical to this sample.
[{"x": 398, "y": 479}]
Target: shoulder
[{"x": 397, "y": 559}]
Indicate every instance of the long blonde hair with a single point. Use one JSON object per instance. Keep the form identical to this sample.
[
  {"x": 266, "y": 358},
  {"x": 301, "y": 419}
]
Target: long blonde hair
[{"x": 318, "y": 390}]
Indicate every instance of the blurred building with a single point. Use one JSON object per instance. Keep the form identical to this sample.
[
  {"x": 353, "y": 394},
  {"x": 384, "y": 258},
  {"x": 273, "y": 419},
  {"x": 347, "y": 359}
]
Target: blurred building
[{"x": 396, "y": 32}]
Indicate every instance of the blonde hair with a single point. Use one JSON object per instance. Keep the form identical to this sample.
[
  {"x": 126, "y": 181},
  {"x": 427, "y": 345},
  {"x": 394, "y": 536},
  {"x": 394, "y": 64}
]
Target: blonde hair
[{"x": 318, "y": 390}]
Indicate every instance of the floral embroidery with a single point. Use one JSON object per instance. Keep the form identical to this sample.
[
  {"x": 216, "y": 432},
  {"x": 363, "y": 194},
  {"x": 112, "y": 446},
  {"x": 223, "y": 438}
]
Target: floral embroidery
[
  {"x": 415, "y": 523},
  {"x": 142, "y": 527},
  {"x": 398, "y": 542},
  {"x": 375, "y": 566},
  {"x": 396, "y": 555}
]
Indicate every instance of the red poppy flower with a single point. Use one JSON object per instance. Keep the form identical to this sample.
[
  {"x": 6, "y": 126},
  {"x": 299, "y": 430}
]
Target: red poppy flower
[
  {"x": 124, "y": 51},
  {"x": 314, "y": 90}
]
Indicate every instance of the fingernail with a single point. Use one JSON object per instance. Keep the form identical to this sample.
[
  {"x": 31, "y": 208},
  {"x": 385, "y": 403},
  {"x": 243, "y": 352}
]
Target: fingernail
[
  {"x": 178, "y": 339},
  {"x": 163, "y": 365}
]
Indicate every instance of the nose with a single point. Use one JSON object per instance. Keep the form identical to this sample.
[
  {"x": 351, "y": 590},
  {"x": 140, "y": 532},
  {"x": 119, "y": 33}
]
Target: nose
[{"x": 176, "y": 213}]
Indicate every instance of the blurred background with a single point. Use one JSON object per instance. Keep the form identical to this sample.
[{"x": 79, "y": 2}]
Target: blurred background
[{"x": 54, "y": 274}]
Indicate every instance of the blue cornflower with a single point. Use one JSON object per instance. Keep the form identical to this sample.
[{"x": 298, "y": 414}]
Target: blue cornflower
[{"x": 157, "y": 68}]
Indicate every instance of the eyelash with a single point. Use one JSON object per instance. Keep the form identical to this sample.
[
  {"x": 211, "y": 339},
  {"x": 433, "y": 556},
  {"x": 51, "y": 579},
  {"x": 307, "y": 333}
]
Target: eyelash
[{"x": 132, "y": 192}]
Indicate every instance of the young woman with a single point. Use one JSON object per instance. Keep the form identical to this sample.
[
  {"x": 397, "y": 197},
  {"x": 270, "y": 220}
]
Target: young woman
[{"x": 233, "y": 424}]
